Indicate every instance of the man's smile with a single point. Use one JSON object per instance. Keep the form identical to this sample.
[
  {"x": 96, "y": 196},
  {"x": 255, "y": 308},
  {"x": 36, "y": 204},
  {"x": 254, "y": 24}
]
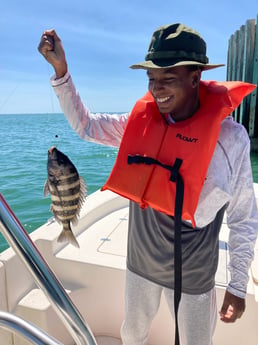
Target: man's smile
[{"x": 162, "y": 99}]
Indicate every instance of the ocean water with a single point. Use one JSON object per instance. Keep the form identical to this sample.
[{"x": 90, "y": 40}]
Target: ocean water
[{"x": 25, "y": 140}]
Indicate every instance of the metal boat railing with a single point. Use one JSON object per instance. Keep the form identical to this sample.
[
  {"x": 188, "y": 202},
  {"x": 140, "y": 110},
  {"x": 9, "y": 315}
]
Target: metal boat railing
[
  {"x": 22, "y": 244},
  {"x": 26, "y": 329}
]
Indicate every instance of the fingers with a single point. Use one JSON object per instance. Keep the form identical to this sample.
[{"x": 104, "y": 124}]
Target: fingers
[
  {"x": 224, "y": 311},
  {"x": 51, "y": 32},
  {"x": 50, "y": 46},
  {"x": 231, "y": 315},
  {"x": 232, "y": 309},
  {"x": 47, "y": 42}
]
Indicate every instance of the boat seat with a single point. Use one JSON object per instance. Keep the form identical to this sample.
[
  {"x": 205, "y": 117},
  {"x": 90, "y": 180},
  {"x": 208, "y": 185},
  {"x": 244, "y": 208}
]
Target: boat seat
[{"x": 36, "y": 308}]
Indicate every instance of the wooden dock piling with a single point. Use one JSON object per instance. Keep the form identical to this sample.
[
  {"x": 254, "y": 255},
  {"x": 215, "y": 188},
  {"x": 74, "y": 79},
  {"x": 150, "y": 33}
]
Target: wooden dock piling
[{"x": 242, "y": 65}]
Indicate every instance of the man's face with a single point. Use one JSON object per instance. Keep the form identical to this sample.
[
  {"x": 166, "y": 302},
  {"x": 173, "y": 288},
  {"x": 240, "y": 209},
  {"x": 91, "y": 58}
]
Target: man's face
[{"x": 175, "y": 90}]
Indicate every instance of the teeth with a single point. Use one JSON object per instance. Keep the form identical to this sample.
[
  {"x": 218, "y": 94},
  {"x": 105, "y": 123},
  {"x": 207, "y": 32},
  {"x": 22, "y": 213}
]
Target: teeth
[{"x": 164, "y": 99}]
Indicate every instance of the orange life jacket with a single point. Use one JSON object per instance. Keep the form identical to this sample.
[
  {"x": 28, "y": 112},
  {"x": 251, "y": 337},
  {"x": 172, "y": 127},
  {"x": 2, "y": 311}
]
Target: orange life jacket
[{"x": 192, "y": 140}]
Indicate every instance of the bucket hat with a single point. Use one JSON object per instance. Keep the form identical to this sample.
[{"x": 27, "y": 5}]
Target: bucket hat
[{"x": 176, "y": 45}]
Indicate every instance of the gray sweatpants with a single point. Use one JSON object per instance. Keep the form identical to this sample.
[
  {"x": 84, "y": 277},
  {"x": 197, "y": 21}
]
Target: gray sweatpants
[{"x": 196, "y": 315}]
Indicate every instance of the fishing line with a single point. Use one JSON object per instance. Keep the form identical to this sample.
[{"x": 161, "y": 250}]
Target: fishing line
[
  {"x": 55, "y": 140},
  {"x": 51, "y": 91},
  {"x": 9, "y": 96}
]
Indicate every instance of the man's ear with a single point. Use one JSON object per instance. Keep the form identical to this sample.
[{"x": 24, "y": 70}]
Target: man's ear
[{"x": 196, "y": 77}]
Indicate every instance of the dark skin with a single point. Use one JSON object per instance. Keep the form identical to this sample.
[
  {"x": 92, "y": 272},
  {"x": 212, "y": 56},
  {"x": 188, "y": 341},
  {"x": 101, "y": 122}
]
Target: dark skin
[
  {"x": 50, "y": 46},
  {"x": 232, "y": 308},
  {"x": 175, "y": 91}
]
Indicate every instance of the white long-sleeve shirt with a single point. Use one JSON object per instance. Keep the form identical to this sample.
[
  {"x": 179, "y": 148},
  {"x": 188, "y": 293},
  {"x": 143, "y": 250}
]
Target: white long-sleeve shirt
[{"x": 229, "y": 178}]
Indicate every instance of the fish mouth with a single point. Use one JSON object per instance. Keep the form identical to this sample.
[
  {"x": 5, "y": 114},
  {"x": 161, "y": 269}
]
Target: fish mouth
[{"x": 51, "y": 149}]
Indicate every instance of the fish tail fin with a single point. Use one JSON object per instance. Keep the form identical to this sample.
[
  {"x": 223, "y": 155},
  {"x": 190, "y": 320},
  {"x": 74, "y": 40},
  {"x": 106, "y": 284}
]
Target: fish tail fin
[{"x": 68, "y": 236}]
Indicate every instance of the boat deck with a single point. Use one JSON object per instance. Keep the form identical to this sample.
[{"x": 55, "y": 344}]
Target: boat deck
[{"x": 94, "y": 278}]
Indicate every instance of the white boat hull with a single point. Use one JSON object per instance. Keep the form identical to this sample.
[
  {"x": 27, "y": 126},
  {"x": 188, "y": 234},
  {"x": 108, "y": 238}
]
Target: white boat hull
[{"x": 94, "y": 277}]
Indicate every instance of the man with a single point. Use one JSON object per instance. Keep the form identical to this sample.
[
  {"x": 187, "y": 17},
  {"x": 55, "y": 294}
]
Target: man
[{"x": 178, "y": 134}]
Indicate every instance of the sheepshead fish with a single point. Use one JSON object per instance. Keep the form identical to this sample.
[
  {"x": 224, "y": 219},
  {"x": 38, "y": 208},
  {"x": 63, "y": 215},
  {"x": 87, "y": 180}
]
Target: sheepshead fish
[{"x": 67, "y": 190}]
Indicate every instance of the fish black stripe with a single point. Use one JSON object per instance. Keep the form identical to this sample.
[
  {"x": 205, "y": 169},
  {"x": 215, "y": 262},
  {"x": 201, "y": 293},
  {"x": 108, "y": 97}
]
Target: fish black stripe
[
  {"x": 68, "y": 180},
  {"x": 64, "y": 184},
  {"x": 65, "y": 198},
  {"x": 65, "y": 213},
  {"x": 67, "y": 192},
  {"x": 65, "y": 203}
]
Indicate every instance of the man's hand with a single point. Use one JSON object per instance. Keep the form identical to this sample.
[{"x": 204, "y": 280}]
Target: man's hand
[
  {"x": 50, "y": 46},
  {"x": 233, "y": 308}
]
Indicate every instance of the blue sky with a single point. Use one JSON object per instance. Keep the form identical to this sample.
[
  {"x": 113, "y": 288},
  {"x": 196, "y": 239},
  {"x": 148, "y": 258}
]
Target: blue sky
[{"x": 101, "y": 39}]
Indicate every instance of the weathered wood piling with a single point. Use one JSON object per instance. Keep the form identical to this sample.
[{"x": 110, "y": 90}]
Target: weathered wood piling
[{"x": 242, "y": 65}]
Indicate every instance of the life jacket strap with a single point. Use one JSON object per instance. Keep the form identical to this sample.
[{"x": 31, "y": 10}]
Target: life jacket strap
[
  {"x": 177, "y": 178},
  {"x": 174, "y": 169},
  {"x": 178, "y": 249}
]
